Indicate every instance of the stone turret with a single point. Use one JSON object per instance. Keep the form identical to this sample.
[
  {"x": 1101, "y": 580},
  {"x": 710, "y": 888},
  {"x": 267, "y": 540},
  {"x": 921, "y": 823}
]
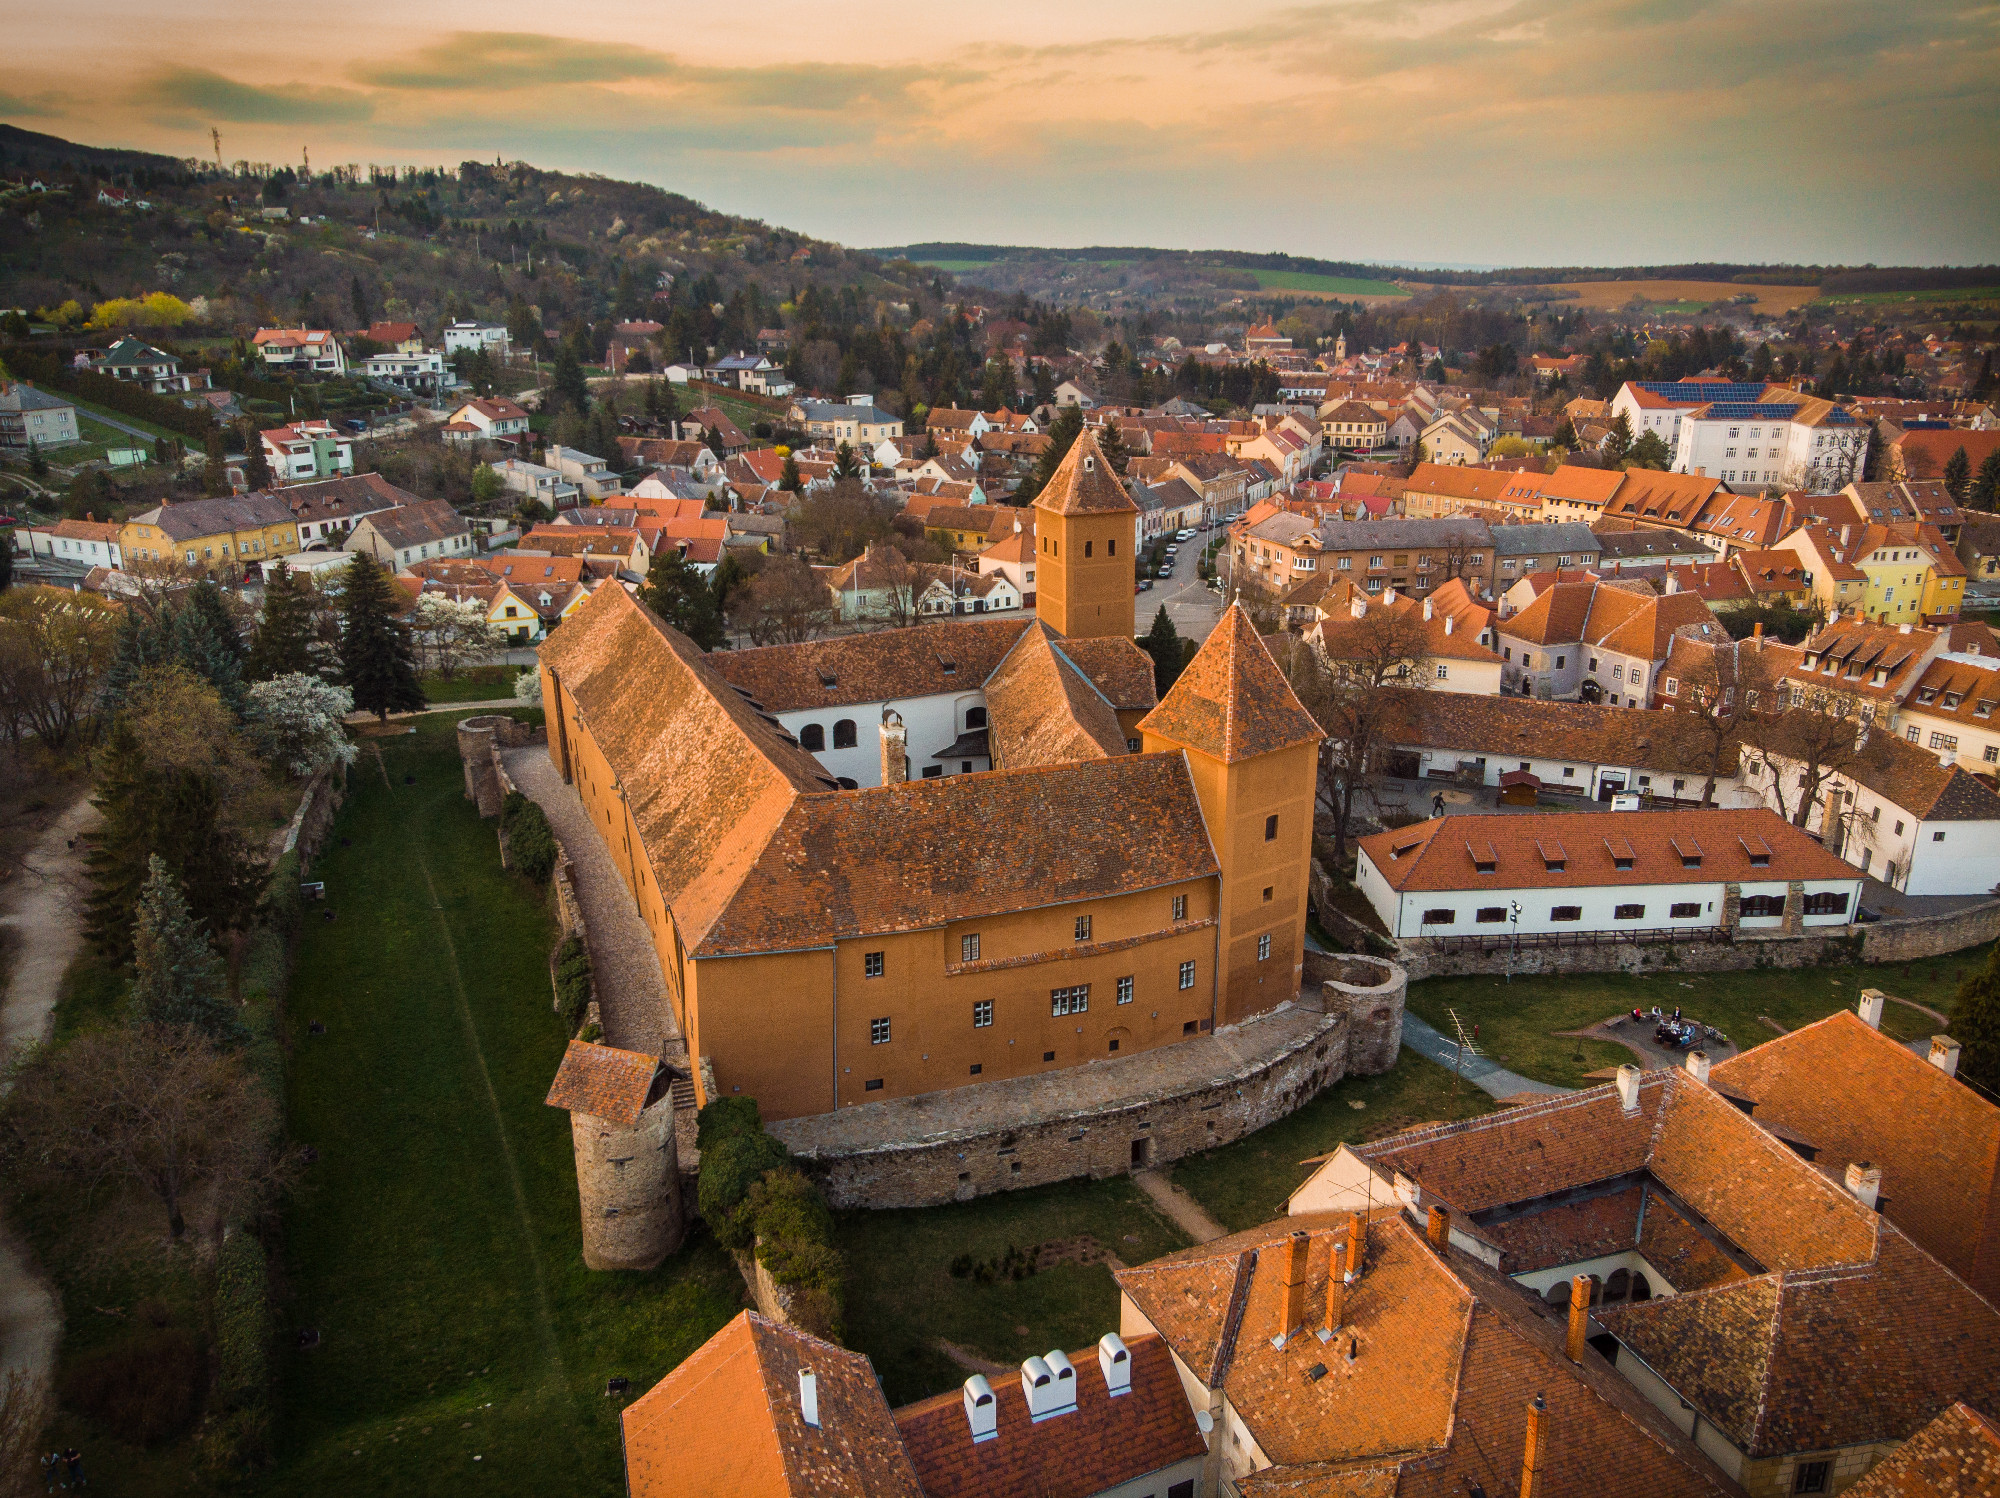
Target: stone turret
[
  {"x": 628, "y": 1173},
  {"x": 1370, "y": 991}
]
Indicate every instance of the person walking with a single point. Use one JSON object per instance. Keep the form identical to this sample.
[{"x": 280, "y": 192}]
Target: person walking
[
  {"x": 52, "y": 1466},
  {"x": 73, "y": 1459},
  {"x": 1437, "y": 804}
]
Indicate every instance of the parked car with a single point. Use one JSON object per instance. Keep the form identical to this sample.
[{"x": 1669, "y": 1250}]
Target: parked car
[
  {"x": 1167, "y": 570},
  {"x": 1145, "y": 585},
  {"x": 1172, "y": 550},
  {"x": 1184, "y": 535}
]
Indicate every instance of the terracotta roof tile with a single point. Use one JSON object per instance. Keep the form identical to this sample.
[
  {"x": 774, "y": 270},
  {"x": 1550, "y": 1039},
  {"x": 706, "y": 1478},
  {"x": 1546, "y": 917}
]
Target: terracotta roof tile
[
  {"x": 1232, "y": 702},
  {"x": 604, "y": 1082},
  {"x": 879, "y": 666},
  {"x": 1522, "y": 728},
  {"x": 1042, "y": 710},
  {"x": 1084, "y": 484},
  {"x": 1956, "y": 1456}
]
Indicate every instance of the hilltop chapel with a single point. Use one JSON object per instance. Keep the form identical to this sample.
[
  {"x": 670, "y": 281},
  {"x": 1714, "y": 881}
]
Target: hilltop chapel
[{"x": 889, "y": 864}]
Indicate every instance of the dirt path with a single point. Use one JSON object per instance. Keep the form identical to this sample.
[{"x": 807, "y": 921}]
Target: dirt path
[
  {"x": 42, "y": 911},
  {"x": 1183, "y": 1209}
]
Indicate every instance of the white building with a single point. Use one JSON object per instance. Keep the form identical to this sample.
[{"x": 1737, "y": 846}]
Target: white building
[
  {"x": 1571, "y": 873},
  {"x": 301, "y": 350},
  {"x": 1954, "y": 709},
  {"x": 1801, "y": 443},
  {"x": 87, "y": 543},
  {"x": 1658, "y": 406},
  {"x": 421, "y": 370},
  {"x": 308, "y": 450},
  {"x": 537, "y": 481},
  {"x": 592, "y": 475},
  {"x": 471, "y": 337}
]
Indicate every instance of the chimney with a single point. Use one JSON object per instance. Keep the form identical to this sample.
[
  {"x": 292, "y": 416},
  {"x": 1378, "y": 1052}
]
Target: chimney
[
  {"x": 1448, "y": 621},
  {"x": 1427, "y": 610},
  {"x": 1038, "y": 1382},
  {"x": 1357, "y": 1246},
  {"x": 1757, "y": 631},
  {"x": 895, "y": 748},
  {"x": 1531, "y": 1458},
  {"x": 1944, "y": 1054},
  {"x": 1063, "y": 1389},
  {"x": 981, "y": 1413},
  {"x": 1628, "y": 1088},
  {"x": 1579, "y": 1317},
  {"x": 1293, "y": 1314},
  {"x": 1870, "y": 1007},
  {"x": 1903, "y": 628},
  {"x": 1843, "y": 534},
  {"x": 1864, "y": 1179},
  {"x": 1336, "y": 1292},
  {"x": 1359, "y": 607},
  {"x": 1698, "y": 1066},
  {"x": 1438, "y": 1228},
  {"x": 1116, "y": 1363},
  {"x": 809, "y": 1399}
]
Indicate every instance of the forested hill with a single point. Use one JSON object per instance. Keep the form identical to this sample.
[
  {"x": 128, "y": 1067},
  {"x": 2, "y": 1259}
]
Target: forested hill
[{"x": 250, "y": 245}]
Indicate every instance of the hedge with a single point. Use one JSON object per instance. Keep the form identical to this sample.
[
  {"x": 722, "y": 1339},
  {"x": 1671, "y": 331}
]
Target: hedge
[
  {"x": 531, "y": 844},
  {"x": 574, "y": 981},
  {"x": 114, "y": 395}
]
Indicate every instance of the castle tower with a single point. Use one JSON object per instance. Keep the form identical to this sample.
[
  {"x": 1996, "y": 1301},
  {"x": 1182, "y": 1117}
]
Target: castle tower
[
  {"x": 1085, "y": 539},
  {"x": 628, "y": 1173},
  {"x": 1253, "y": 751}
]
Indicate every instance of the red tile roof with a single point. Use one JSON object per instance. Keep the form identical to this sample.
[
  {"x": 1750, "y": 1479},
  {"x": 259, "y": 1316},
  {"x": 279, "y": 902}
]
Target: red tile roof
[
  {"x": 1232, "y": 702},
  {"x": 1042, "y": 710},
  {"x": 1084, "y": 484},
  {"x": 604, "y": 1082},
  {"x": 1956, "y": 1456}
]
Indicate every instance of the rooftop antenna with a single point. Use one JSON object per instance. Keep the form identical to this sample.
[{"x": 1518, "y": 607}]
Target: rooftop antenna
[{"x": 1466, "y": 1047}]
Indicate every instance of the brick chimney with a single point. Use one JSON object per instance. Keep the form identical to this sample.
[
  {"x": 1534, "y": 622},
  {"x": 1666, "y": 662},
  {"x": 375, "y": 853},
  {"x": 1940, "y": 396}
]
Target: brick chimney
[
  {"x": 1336, "y": 1292},
  {"x": 1438, "y": 1228},
  {"x": 1579, "y": 1318},
  {"x": 1357, "y": 1246},
  {"x": 1292, "y": 1315},
  {"x": 1531, "y": 1457},
  {"x": 895, "y": 748},
  {"x": 1944, "y": 1054},
  {"x": 1864, "y": 1179},
  {"x": 1870, "y": 1007}
]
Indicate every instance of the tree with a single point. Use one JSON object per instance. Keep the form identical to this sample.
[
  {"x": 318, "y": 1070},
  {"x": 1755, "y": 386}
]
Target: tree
[
  {"x": 1063, "y": 432},
  {"x": 487, "y": 485},
  {"x": 786, "y": 603},
  {"x": 451, "y": 633},
  {"x": 1435, "y": 371},
  {"x": 215, "y": 471},
  {"x": 1565, "y": 437},
  {"x": 177, "y": 978},
  {"x": 1353, "y": 686},
  {"x": 257, "y": 471},
  {"x": 1163, "y": 644},
  {"x": 157, "y": 1105},
  {"x": 55, "y": 649},
  {"x": 528, "y": 686},
  {"x": 1650, "y": 451},
  {"x": 1975, "y": 1025},
  {"x": 6, "y": 560},
  {"x": 38, "y": 465},
  {"x": 838, "y": 522},
  {"x": 208, "y": 642},
  {"x": 788, "y": 476},
  {"x": 1620, "y": 441},
  {"x": 1112, "y": 443},
  {"x": 375, "y": 660},
  {"x": 1958, "y": 475},
  {"x": 298, "y": 723},
  {"x": 567, "y": 387},
  {"x": 1804, "y": 748},
  {"x": 1720, "y": 690},
  {"x": 1985, "y": 493},
  {"x": 679, "y": 594},
  {"x": 996, "y": 389},
  {"x": 845, "y": 464},
  {"x": 287, "y": 638}
]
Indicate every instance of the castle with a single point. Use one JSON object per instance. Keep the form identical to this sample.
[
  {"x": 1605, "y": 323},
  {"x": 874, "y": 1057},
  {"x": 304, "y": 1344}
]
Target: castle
[{"x": 890, "y": 864}]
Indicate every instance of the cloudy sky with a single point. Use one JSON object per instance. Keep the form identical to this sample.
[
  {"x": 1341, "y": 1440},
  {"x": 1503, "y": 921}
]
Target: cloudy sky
[{"x": 1480, "y": 131}]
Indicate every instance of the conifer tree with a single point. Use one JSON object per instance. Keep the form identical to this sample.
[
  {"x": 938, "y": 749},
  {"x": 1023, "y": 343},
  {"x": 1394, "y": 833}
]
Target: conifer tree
[
  {"x": 256, "y": 472},
  {"x": 178, "y": 979},
  {"x": 1112, "y": 443},
  {"x": 116, "y": 863},
  {"x": 680, "y": 595},
  {"x": 286, "y": 641},
  {"x": 142, "y": 642},
  {"x": 1975, "y": 1025},
  {"x": 1958, "y": 475},
  {"x": 376, "y": 663},
  {"x": 1163, "y": 644},
  {"x": 205, "y": 640},
  {"x": 1986, "y": 487},
  {"x": 788, "y": 478}
]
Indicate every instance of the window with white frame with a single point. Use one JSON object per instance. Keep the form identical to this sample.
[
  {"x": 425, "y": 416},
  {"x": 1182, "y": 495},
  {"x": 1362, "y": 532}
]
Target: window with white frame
[{"x": 1072, "y": 1000}]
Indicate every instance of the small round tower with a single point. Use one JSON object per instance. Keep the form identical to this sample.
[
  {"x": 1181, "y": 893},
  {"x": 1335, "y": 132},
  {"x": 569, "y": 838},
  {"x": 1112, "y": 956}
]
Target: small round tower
[
  {"x": 1370, "y": 992},
  {"x": 628, "y": 1174}
]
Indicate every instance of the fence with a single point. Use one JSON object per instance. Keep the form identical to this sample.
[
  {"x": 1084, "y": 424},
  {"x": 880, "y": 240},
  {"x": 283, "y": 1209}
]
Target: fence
[{"x": 1534, "y": 939}]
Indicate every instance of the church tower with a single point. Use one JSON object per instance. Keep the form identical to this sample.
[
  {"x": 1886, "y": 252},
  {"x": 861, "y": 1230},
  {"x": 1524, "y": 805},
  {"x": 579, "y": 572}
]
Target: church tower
[
  {"x": 1085, "y": 539},
  {"x": 1253, "y": 752}
]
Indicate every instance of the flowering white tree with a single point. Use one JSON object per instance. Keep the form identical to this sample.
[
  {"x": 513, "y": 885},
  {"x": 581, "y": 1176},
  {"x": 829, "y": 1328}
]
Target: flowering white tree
[
  {"x": 297, "y": 722},
  {"x": 450, "y": 633},
  {"x": 528, "y": 686}
]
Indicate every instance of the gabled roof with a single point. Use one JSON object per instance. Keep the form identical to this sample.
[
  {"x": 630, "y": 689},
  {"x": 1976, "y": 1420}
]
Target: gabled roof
[
  {"x": 1523, "y": 728},
  {"x": 194, "y": 518},
  {"x": 1041, "y": 709},
  {"x": 1232, "y": 702},
  {"x": 418, "y": 524},
  {"x": 604, "y": 1082},
  {"x": 1084, "y": 484},
  {"x": 728, "y": 1420},
  {"x": 1956, "y": 1456}
]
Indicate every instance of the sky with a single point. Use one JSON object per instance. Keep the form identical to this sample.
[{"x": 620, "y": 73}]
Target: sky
[{"x": 1508, "y": 132}]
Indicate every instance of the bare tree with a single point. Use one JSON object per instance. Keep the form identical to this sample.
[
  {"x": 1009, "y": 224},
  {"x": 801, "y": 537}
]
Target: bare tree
[
  {"x": 1807, "y": 746},
  {"x": 1352, "y": 683},
  {"x": 785, "y": 604},
  {"x": 158, "y": 1105},
  {"x": 55, "y": 647},
  {"x": 1720, "y": 689},
  {"x": 901, "y": 583},
  {"x": 840, "y": 522}
]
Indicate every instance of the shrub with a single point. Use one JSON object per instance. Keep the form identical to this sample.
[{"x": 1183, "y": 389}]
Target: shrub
[
  {"x": 530, "y": 841},
  {"x": 575, "y": 982},
  {"x": 242, "y": 1322},
  {"x": 724, "y": 1116},
  {"x": 146, "y": 1386},
  {"x": 728, "y": 1171},
  {"x": 786, "y": 1208}
]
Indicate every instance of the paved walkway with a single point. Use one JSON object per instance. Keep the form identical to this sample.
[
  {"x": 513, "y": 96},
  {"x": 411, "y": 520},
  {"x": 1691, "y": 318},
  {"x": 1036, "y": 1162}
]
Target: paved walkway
[
  {"x": 1487, "y": 1075},
  {"x": 43, "y": 916},
  {"x": 1178, "y": 1205},
  {"x": 492, "y": 705},
  {"x": 631, "y": 989}
]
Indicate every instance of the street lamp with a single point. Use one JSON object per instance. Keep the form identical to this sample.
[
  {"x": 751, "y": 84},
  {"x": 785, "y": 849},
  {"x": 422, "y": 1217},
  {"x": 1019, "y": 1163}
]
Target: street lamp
[{"x": 1514, "y": 944}]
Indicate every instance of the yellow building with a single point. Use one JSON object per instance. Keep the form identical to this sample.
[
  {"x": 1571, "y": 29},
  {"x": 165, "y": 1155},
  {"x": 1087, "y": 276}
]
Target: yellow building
[
  {"x": 1896, "y": 574},
  {"x": 227, "y": 534},
  {"x": 1081, "y": 520}
]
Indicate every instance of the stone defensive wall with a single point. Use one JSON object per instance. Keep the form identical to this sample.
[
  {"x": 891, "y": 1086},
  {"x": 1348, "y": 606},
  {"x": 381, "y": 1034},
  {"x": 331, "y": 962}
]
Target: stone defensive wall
[{"x": 1109, "y": 1117}]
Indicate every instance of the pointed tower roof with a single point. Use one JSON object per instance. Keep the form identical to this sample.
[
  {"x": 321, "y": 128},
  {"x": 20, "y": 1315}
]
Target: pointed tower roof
[
  {"x": 1232, "y": 702},
  {"x": 1085, "y": 484}
]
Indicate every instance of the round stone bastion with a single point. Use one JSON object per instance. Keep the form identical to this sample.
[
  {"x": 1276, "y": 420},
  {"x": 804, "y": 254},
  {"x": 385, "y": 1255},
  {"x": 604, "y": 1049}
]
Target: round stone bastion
[{"x": 1113, "y": 1116}]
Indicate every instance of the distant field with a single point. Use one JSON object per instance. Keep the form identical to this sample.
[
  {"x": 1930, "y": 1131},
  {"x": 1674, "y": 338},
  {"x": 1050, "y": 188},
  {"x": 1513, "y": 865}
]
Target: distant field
[
  {"x": 956, "y": 267},
  {"x": 1302, "y": 280},
  {"x": 1942, "y": 294},
  {"x": 1608, "y": 296}
]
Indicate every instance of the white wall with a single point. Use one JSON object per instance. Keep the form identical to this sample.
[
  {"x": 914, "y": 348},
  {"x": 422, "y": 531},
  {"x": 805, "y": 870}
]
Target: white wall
[
  {"x": 930, "y": 722},
  {"x": 1583, "y": 776}
]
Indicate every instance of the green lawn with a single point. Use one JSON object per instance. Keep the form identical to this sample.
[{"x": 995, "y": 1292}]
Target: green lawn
[
  {"x": 902, "y": 1296},
  {"x": 473, "y": 684},
  {"x": 1302, "y": 280},
  {"x": 435, "y": 1245},
  {"x": 1248, "y": 1182},
  {"x": 1937, "y": 294},
  {"x": 84, "y": 409},
  {"x": 1518, "y": 1021},
  {"x": 957, "y": 268}
]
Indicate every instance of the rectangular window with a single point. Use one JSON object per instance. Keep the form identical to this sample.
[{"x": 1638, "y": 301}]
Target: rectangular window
[
  {"x": 1263, "y": 948},
  {"x": 1945, "y": 741},
  {"x": 871, "y": 966},
  {"x": 874, "y": 1084},
  {"x": 1683, "y": 910},
  {"x": 1762, "y": 905},
  {"x": 968, "y": 948},
  {"x": 982, "y": 1014},
  {"x": 1827, "y": 902},
  {"x": 878, "y": 1032},
  {"x": 1491, "y": 914},
  {"x": 1270, "y": 829},
  {"x": 1083, "y": 928},
  {"x": 1125, "y": 990},
  {"x": 1187, "y": 975},
  {"x": 1810, "y": 1477},
  {"x": 1440, "y": 917},
  {"x": 1069, "y": 1000},
  {"x": 1629, "y": 913},
  {"x": 1180, "y": 907},
  {"x": 1566, "y": 913}
]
